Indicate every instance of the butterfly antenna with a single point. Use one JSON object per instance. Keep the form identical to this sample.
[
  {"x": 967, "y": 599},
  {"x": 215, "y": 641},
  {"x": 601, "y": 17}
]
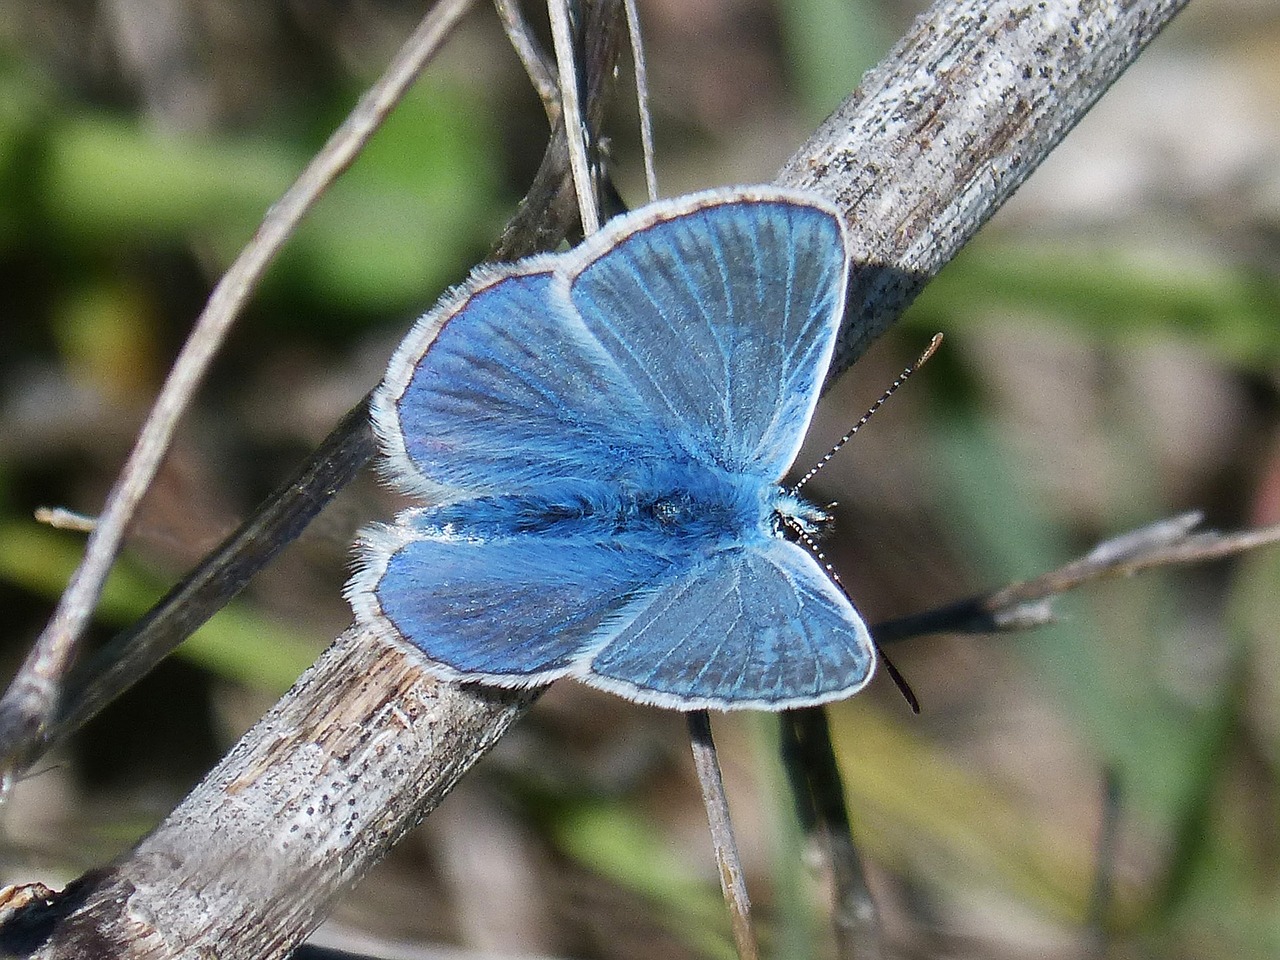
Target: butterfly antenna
[
  {"x": 929, "y": 351},
  {"x": 811, "y": 545},
  {"x": 898, "y": 679}
]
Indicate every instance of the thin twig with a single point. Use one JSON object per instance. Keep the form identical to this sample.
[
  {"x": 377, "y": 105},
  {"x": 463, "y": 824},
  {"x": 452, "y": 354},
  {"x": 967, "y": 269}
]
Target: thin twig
[
  {"x": 131, "y": 654},
  {"x": 28, "y": 705},
  {"x": 1028, "y": 603},
  {"x": 541, "y": 73},
  {"x": 806, "y": 746},
  {"x": 60, "y": 518},
  {"x": 642, "y": 99},
  {"x": 562, "y": 34},
  {"x": 810, "y": 763},
  {"x": 732, "y": 882},
  {"x": 549, "y": 211}
]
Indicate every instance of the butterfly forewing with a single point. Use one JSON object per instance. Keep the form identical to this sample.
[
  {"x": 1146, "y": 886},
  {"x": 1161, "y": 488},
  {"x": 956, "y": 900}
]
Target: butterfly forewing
[{"x": 722, "y": 318}]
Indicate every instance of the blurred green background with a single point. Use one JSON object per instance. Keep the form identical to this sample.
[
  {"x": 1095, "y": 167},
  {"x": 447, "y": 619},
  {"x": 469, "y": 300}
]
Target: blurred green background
[{"x": 1111, "y": 358}]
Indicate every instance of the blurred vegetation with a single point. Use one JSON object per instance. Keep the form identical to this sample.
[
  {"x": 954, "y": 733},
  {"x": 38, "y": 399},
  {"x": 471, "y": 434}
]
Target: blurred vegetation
[{"x": 1111, "y": 358}]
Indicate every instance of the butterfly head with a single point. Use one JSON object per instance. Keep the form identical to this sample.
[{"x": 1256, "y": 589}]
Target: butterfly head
[{"x": 793, "y": 512}]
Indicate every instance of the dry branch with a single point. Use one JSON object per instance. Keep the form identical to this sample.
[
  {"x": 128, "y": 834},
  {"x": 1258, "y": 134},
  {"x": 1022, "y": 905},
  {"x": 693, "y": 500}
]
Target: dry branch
[
  {"x": 810, "y": 763},
  {"x": 732, "y": 882},
  {"x": 1029, "y": 603}
]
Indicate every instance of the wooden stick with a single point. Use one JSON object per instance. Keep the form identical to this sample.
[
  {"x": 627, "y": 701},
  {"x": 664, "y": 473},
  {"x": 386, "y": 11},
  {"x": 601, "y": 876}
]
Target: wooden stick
[{"x": 732, "y": 882}]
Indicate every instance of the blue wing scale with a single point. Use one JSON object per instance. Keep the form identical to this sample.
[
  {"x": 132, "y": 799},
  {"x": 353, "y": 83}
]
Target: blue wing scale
[{"x": 760, "y": 626}]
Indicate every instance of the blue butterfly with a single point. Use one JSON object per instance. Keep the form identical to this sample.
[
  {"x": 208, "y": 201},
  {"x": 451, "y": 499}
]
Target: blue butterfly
[{"x": 601, "y": 435}]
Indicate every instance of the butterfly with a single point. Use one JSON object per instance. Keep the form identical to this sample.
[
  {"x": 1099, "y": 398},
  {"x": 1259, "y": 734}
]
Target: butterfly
[{"x": 600, "y": 436}]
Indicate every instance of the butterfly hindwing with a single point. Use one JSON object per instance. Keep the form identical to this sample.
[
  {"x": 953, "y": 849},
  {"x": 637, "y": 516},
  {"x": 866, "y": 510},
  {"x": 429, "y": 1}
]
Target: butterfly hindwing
[
  {"x": 758, "y": 626},
  {"x": 508, "y": 611}
]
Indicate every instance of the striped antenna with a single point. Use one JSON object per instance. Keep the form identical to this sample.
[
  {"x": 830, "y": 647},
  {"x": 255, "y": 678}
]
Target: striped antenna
[{"x": 929, "y": 351}]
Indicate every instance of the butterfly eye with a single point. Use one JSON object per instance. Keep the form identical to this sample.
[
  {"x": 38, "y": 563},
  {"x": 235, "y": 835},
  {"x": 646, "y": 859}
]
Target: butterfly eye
[{"x": 667, "y": 513}]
